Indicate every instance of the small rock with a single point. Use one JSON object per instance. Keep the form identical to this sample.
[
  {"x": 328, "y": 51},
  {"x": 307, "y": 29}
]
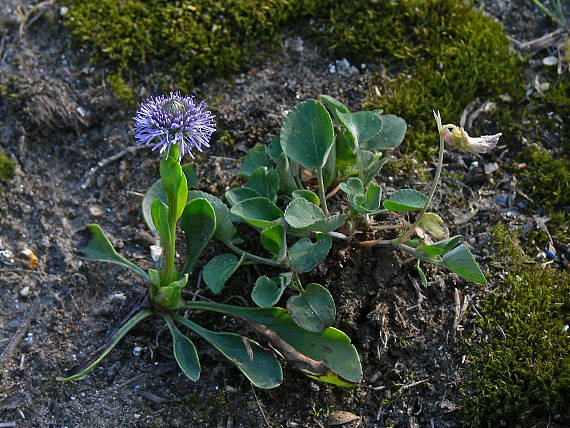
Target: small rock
[
  {"x": 96, "y": 210},
  {"x": 25, "y": 292}
]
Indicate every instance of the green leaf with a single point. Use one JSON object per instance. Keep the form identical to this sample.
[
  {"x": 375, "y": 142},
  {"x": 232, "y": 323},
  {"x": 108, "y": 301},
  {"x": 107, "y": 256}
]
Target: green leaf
[
  {"x": 219, "y": 269},
  {"x": 274, "y": 149},
  {"x": 328, "y": 224},
  {"x": 300, "y": 213},
  {"x": 307, "y": 134},
  {"x": 175, "y": 185},
  {"x": 159, "y": 211},
  {"x": 308, "y": 195},
  {"x": 198, "y": 221},
  {"x": 285, "y": 172},
  {"x": 189, "y": 170},
  {"x": 461, "y": 261},
  {"x": 371, "y": 201},
  {"x": 329, "y": 350},
  {"x": 345, "y": 150},
  {"x": 334, "y": 105},
  {"x": 235, "y": 196},
  {"x": 274, "y": 240},
  {"x": 264, "y": 181},
  {"x": 422, "y": 275},
  {"x": 391, "y": 135},
  {"x": 304, "y": 255},
  {"x": 108, "y": 345},
  {"x": 374, "y": 169},
  {"x": 405, "y": 200},
  {"x": 427, "y": 251},
  {"x": 268, "y": 291},
  {"x": 156, "y": 191},
  {"x": 92, "y": 243},
  {"x": 184, "y": 351},
  {"x": 352, "y": 187},
  {"x": 225, "y": 229},
  {"x": 313, "y": 309},
  {"x": 256, "y": 157},
  {"x": 448, "y": 244},
  {"x": 362, "y": 125},
  {"x": 258, "y": 212},
  {"x": 259, "y": 365}
]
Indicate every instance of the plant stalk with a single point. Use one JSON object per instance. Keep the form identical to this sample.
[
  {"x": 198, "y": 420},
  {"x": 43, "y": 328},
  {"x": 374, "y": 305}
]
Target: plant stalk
[
  {"x": 322, "y": 193},
  {"x": 411, "y": 229}
]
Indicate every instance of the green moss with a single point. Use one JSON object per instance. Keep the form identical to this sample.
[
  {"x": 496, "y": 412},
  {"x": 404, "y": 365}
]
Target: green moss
[
  {"x": 179, "y": 40},
  {"x": 547, "y": 181},
  {"x": 7, "y": 167},
  {"x": 122, "y": 90},
  {"x": 522, "y": 378}
]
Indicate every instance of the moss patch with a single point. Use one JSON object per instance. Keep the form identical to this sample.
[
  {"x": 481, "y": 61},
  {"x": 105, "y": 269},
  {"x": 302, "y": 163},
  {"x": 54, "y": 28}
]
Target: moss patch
[
  {"x": 547, "y": 181},
  {"x": 7, "y": 167},
  {"x": 523, "y": 378}
]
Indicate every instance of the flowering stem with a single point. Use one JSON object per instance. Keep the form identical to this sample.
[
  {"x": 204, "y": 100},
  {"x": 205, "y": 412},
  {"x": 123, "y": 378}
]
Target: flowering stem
[
  {"x": 322, "y": 190},
  {"x": 432, "y": 192},
  {"x": 169, "y": 273}
]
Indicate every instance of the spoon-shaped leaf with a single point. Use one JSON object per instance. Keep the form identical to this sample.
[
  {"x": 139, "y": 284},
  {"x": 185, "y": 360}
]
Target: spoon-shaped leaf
[
  {"x": 184, "y": 351},
  {"x": 259, "y": 365},
  {"x": 313, "y": 309},
  {"x": 198, "y": 221},
  {"x": 305, "y": 255},
  {"x": 307, "y": 134},
  {"x": 274, "y": 240},
  {"x": 405, "y": 200},
  {"x": 265, "y": 181},
  {"x": 391, "y": 135},
  {"x": 300, "y": 213},
  {"x": 362, "y": 125},
  {"x": 225, "y": 229},
  {"x": 92, "y": 243},
  {"x": 256, "y": 157},
  {"x": 268, "y": 291},
  {"x": 156, "y": 191},
  {"x": 219, "y": 269},
  {"x": 257, "y": 212}
]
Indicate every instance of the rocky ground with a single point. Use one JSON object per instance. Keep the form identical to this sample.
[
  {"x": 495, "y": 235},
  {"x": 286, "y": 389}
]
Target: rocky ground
[{"x": 61, "y": 121}]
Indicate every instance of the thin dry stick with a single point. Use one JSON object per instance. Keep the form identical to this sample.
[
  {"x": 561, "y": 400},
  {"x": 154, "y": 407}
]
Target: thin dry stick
[
  {"x": 260, "y": 408},
  {"x": 11, "y": 347},
  {"x": 104, "y": 162}
]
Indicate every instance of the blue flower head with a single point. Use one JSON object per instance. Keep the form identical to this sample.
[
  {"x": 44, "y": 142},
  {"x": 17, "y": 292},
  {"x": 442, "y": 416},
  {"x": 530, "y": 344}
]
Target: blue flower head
[{"x": 174, "y": 119}]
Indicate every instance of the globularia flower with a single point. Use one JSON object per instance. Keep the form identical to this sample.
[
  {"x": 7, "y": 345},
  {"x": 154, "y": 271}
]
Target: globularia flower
[
  {"x": 460, "y": 139},
  {"x": 174, "y": 119}
]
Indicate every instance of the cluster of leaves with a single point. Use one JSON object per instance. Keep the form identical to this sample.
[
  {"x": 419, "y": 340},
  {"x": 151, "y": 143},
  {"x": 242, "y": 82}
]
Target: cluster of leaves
[
  {"x": 523, "y": 377},
  {"x": 275, "y": 203}
]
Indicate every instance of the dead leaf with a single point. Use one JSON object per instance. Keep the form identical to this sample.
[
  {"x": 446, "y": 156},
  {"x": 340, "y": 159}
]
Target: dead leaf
[{"x": 341, "y": 417}]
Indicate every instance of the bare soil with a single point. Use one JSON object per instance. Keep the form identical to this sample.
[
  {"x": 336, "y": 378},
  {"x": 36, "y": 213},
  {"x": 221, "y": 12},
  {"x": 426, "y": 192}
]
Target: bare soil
[{"x": 63, "y": 121}]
